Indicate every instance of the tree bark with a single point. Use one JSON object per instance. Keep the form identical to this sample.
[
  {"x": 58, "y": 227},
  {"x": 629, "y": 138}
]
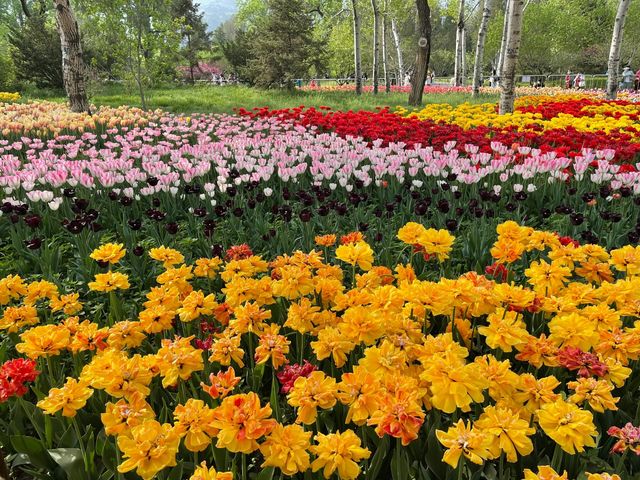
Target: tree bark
[
  {"x": 614, "y": 51},
  {"x": 376, "y": 46},
  {"x": 25, "y": 8},
  {"x": 419, "y": 77},
  {"x": 457, "y": 69},
  {"x": 503, "y": 42},
  {"x": 73, "y": 69},
  {"x": 356, "y": 47},
  {"x": 385, "y": 70},
  {"x": 482, "y": 37},
  {"x": 396, "y": 41},
  {"x": 508, "y": 74}
]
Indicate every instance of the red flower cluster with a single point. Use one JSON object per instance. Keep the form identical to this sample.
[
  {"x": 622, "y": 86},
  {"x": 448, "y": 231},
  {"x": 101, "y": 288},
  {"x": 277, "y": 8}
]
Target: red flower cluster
[
  {"x": 289, "y": 373},
  {"x": 568, "y": 240},
  {"x": 587, "y": 364},
  {"x": 13, "y": 376},
  {"x": 387, "y": 127},
  {"x": 628, "y": 437},
  {"x": 238, "y": 252},
  {"x": 574, "y": 107},
  {"x": 498, "y": 271}
]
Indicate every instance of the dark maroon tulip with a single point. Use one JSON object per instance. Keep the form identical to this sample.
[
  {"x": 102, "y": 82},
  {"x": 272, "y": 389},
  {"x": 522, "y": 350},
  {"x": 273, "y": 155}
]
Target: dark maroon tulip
[
  {"x": 33, "y": 220},
  {"x": 134, "y": 223},
  {"x": 138, "y": 251},
  {"x": 171, "y": 228},
  {"x": 33, "y": 244}
]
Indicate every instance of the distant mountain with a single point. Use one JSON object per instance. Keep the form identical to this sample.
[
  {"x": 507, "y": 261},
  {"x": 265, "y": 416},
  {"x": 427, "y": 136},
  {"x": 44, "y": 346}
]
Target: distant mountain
[{"x": 217, "y": 12}]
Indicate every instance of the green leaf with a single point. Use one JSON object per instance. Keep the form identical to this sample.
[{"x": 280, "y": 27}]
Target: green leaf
[
  {"x": 176, "y": 472},
  {"x": 258, "y": 373},
  {"x": 399, "y": 463},
  {"x": 378, "y": 458},
  {"x": 434, "y": 454},
  {"x": 35, "y": 450},
  {"x": 266, "y": 474},
  {"x": 70, "y": 459}
]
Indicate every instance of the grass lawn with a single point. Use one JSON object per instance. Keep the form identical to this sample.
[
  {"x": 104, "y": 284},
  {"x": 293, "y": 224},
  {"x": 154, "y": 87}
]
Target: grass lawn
[{"x": 215, "y": 99}]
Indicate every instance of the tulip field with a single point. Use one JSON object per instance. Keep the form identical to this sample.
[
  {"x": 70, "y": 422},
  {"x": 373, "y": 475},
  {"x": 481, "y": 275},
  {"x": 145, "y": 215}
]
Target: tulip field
[{"x": 435, "y": 294}]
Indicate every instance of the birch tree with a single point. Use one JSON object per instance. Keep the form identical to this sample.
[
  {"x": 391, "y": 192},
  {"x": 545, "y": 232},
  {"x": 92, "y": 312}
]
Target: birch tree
[
  {"x": 376, "y": 46},
  {"x": 423, "y": 53},
  {"x": 400, "y": 58},
  {"x": 458, "y": 73},
  {"x": 503, "y": 42},
  {"x": 385, "y": 28},
  {"x": 614, "y": 51},
  {"x": 356, "y": 46},
  {"x": 73, "y": 68},
  {"x": 508, "y": 74},
  {"x": 482, "y": 37}
]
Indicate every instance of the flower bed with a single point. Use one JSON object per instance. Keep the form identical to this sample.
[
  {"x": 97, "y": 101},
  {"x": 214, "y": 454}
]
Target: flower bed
[
  {"x": 186, "y": 297},
  {"x": 330, "y": 361},
  {"x": 8, "y": 97},
  {"x": 565, "y": 125}
]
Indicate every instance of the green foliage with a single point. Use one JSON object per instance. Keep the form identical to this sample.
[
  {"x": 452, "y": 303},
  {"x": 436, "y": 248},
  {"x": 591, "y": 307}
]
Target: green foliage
[
  {"x": 7, "y": 68},
  {"x": 187, "y": 99},
  {"x": 284, "y": 47},
  {"x": 138, "y": 40},
  {"x": 195, "y": 37},
  {"x": 36, "y": 52},
  {"x": 236, "y": 49}
]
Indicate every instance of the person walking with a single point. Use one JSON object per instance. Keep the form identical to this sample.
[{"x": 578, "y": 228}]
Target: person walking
[
  {"x": 637, "y": 86},
  {"x": 627, "y": 78},
  {"x": 567, "y": 80}
]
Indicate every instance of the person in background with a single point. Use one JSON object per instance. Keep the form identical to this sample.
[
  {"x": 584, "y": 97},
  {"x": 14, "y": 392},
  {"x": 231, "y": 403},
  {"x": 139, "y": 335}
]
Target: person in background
[
  {"x": 627, "y": 78},
  {"x": 637, "y": 85},
  {"x": 579, "y": 81},
  {"x": 567, "y": 80}
]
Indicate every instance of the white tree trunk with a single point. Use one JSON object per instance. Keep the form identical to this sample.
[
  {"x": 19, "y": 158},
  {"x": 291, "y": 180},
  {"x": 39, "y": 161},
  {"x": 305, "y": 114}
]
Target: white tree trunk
[
  {"x": 463, "y": 56},
  {"x": 385, "y": 70},
  {"x": 396, "y": 41},
  {"x": 73, "y": 69},
  {"x": 457, "y": 69},
  {"x": 356, "y": 46},
  {"x": 614, "y": 51},
  {"x": 376, "y": 46},
  {"x": 503, "y": 42},
  {"x": 482, "y": 37},
  {"x": 508, "y": 74}
]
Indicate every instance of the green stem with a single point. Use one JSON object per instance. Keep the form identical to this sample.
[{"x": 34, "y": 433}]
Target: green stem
[
  {"x": 244, "y": 466},
  {"x": 83, "y": 450},
  {"x": 119, "y": 475},
  {"x": 21, "y": 402},
  {"x": 461, "y": 465}
]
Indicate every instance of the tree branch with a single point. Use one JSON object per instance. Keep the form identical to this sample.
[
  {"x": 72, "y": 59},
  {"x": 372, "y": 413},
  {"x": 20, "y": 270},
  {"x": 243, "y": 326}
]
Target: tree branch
[{"x": 25, "y": 8}]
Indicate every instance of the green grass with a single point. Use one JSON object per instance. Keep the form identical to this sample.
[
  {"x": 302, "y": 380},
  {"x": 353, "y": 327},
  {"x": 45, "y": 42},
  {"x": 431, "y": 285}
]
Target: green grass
[{"x": 214, "y": 99}]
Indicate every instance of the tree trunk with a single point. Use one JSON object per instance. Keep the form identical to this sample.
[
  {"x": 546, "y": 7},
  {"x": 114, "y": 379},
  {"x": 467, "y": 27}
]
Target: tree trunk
[
  {"x": 463, "y": 56},
  {"x": 376, "y": 46},
  {"x": 396, "y": 41},
  {"x": 508, "y": 74},
  {"x": 614, "y": 51},
  {"x": 356, "y": 47},
  {"x": 139, "y": 60},
  {"x": 419, "y": 77},
  {"x": 73, "y": 70},
  {"x": 457, "y": 70},
  {"x": 482, "y": 36},
  {"x": 25, "y": 8},
  {"x": 503, "y": 43},
  {"x": 385, "y": 70}
]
